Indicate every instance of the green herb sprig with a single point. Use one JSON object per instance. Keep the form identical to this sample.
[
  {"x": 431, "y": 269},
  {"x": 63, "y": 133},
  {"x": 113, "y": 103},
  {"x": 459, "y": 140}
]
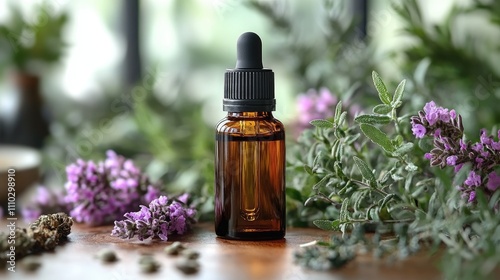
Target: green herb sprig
[{"x": 372, "y": 175}]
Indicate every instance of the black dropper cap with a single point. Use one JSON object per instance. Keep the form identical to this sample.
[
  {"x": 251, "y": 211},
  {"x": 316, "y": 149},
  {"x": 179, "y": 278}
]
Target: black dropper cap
[{"x": 249, "y": 87}]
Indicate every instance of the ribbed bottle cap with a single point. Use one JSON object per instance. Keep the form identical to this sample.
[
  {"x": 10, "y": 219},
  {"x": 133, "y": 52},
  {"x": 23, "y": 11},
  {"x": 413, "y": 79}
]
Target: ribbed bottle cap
[{"x": 249, "y": 87}]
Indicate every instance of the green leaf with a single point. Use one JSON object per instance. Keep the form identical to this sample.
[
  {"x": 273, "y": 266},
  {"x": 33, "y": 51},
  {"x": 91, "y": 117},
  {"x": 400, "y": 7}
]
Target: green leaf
[
  {"x": 373, "y": 119},
  {"x": 340, "y": 121},
  {"x": 327, "y": 224},
  {"x": 378, "y": 137},
  {"x": 398, "y": 94},
  {"x": 398, "y": 140},
  {"x": 366, "y": 172},
  {"x": 403, "y": 149},
  {"x": 322, "y": 123},
  {"x": 338, "y": 110},
  {"x": 308, "y": 169},
  {"x": 318, "y": 156},
  {"x": 382, "y": 109},
  {"x": 294, "y": 194},
  {"x": 396, "y": 177},
  {"x": 411, "y": 167},
  {"x": 383, "y": 93},
  {"x": 322, "y": 182},
  {"x": 344, "y": 213},
  {"x": 352, "y": 138}
]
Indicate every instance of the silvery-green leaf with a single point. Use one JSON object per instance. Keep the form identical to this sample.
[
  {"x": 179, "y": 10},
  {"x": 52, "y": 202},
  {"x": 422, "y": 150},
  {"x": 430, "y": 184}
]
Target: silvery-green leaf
[
  {"x": 373, "y": 119},
  {"x": 322, "y": 123},
  {"x": 341, "y": 119},
  {"x": 366, "y": 172},
  {"x": 338, "y": 110},
  {"x": 327, "y": 224},
  {"x": 396, "y": 177},
  {"x": 382, "y": 109},
  {"x": 383, "y": 93},
  {"x": 377, "y": 136},
  {"x": 308, "y": 169},
  {"x": 398, "y": 94},
  {"x": 411, "y": 167},
  {"x": 344, "y": 213},
  {"x": 352, "y": 138},
  {"x": 322, "y": 182},
  {"x": 403, "y": 149}
]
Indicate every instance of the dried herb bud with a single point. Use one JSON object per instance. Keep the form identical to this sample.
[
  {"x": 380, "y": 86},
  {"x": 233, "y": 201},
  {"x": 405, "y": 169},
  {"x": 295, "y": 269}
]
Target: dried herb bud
[
  {"x": 187, "y": 266},
  {"x": 174, "y": 248},
  {"x": 107, "y": 256},
  {"x": 30, "y": 264},
  {"x": 49, "y": 230},
  {"x": 190, "y": 254},
  {"x": 148, "y": 264},
  {"x": 24, "y": 243}
]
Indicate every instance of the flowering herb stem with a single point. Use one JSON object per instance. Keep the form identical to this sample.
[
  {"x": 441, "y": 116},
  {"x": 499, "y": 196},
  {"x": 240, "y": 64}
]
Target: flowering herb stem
[{"x": 405, "y": 194}]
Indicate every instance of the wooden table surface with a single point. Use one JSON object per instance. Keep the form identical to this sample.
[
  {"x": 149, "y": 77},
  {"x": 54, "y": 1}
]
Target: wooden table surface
[{"x": 220, "y": 259}]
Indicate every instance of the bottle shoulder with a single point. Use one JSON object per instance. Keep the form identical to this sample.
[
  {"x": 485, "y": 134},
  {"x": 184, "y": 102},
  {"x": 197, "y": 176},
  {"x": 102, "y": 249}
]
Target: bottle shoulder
[{"x": 244, "y": 126}]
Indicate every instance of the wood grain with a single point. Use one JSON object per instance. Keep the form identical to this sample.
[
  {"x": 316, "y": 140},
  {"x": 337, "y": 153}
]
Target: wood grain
[{"x": 220, "y": 259}]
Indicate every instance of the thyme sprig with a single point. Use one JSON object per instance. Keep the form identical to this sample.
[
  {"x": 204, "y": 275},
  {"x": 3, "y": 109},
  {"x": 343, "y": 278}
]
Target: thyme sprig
[{"x": 376, "y": 176}]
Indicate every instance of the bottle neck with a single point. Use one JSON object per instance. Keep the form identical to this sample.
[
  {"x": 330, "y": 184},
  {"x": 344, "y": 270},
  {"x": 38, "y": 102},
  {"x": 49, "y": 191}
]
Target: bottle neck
[{"x": 250, "y": 115}]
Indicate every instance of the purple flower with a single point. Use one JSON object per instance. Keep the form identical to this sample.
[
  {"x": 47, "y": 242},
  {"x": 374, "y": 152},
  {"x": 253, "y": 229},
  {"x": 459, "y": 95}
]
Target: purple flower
[
  {"x": 478, "y": 147},
  {"x": 493, "y": 181},
  {"x": 444, "y": 115},
  {"x": 451, "y": 150},
  {"x": 437, "y": 133},
  {"x": 472, "y": 196},
  {"x": 431, "y": 112},
  {"x": 495, "y": 145},
  {"x": 315, "y": 105},
  {"x": 473, "y": 179},
  {"x": 451, "y": 160},
  {"x": 318, "y": 104},
  {"x": 46, "y": 201},
  {"x": 325, "y": 100},
  {"x": 432, "y": 117},
  {"x": 304, "y": 103},
  {"x": 484, "y": 138},
  {"x": 453, "y": 114},
  {"x": 430, "y": 107},
  {"x": 419, "y": 130},
  {"x": 98, "y": 193},
  {"x": 479, "y": 162},
  {"x": 162, "y": 218},
  {"x": 463, "y": 145}
]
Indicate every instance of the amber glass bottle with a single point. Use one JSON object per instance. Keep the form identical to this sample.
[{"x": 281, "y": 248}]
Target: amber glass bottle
[{"x": 250, "y": 152}]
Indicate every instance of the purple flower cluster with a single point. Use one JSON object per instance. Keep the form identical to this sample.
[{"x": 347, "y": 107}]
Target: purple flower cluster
[
  {"x": 434, "y": 120},
  {"x": 46, "y": 201},
  {"x": 445, "y": 126},
  {"x": 162, "y": 218},
  {"x": 317, "y": 105},
  {"x": 98, "y": 193}
]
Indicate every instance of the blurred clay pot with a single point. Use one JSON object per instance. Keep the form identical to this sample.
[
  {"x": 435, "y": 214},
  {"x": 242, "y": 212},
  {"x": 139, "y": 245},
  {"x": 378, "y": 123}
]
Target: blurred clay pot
[{"x": 25, "y": 162}]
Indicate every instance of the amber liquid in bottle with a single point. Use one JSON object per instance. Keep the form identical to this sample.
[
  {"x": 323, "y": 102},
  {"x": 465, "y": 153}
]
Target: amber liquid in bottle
[{"x": 250, "y": 177}]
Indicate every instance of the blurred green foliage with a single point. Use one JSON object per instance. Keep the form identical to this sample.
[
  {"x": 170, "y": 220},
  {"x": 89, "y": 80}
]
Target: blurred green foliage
[
  {"x": 461, "y": 51},
  {"x": 329, "y": 51},
  {"x": 27, "y": 43}
]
